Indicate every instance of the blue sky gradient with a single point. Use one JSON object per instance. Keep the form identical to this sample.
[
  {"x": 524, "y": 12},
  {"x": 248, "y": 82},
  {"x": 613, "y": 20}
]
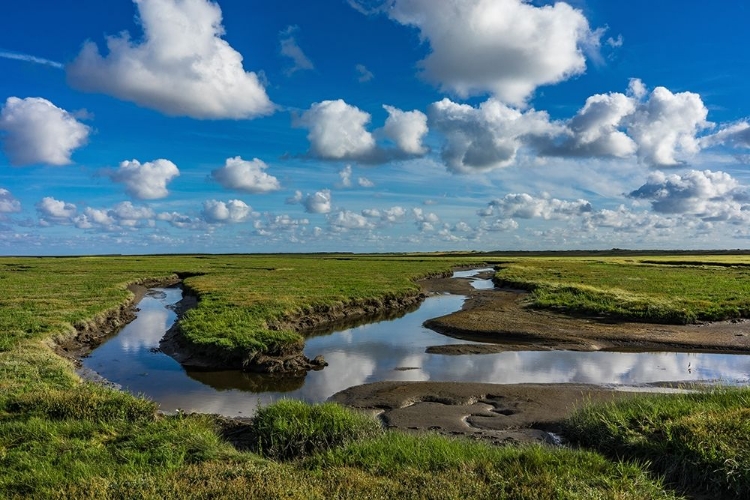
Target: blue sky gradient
[{"x": 372, "y": 125}]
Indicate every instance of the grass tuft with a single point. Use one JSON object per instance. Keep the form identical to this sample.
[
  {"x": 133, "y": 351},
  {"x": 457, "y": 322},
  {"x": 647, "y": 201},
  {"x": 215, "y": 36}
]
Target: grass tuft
[{"x": 290, "y": 429}]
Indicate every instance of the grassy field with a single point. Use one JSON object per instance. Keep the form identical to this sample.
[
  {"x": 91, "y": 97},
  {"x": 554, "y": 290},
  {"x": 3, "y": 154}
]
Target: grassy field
[
  {"x": 660, "y": 289},
  {"x": 60, "y": 438}
]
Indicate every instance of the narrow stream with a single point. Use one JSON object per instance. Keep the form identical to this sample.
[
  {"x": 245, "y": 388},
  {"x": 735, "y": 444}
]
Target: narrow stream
[{"x": 384, "y": 350}]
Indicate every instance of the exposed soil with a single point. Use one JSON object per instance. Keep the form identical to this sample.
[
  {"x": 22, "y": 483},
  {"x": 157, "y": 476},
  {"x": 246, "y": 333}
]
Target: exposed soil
[
  {"x": 502, "y": 319},
  {"x": 521, "y": 412},
  {"x": 500, "y": 414}
]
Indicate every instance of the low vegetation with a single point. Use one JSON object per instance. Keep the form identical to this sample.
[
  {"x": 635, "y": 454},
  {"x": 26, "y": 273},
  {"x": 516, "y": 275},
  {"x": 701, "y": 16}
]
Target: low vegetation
[
  {"x": 61, "y": 438},
  {"x": 698, "y": 441},
  {"x": 653, "y": 290}
]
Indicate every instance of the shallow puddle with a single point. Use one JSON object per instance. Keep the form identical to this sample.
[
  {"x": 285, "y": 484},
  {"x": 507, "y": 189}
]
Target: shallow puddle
[{"x": 385, "y": 350}]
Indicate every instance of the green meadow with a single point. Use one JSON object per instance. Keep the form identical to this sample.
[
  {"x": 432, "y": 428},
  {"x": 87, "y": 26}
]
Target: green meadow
[{"x": 63, "y": 438}]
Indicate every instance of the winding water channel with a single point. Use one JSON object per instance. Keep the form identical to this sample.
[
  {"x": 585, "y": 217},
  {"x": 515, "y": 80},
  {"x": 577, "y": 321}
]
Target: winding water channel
[{"x": 384, "y": 350}]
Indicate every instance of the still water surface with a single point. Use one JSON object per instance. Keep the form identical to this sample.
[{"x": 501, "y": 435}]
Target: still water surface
[{"x": 385, "y": 350}]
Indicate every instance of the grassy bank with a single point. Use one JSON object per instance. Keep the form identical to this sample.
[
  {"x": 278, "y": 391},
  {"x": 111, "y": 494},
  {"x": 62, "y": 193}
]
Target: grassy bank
[
  {"x": 647, "y": 289},
  {"x": 60, "y": 438},
  {"x": 699, "y": 442}
]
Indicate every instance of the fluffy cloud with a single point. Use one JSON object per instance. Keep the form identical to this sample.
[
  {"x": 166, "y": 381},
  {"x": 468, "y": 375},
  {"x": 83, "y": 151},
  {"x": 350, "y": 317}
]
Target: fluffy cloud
[
  {"x": 52, "y": 211},
  {"x": 506, "y": 47},
  {"x": 290, "y": 49},
  {"x": 128, "y": 215},
  {"x": 705, "y": 194},
  {"x": 37, "y": 131},
  {"x": 659, "y": 127},
  {"x": 8, "y": 204},
  {"x": 146, "y": 181},
  {"x": 666, "y": 125},
  {"x": 595, "y": 129},
  {"x": 246, "y": 176},
  {"x": 525, "y": 206},
  {"x": 487, "y": 137},
  {"x": 737, "y": 135},
  {"x": 232, "y": 211},
  {"x": 406, "y": 129},
  {"x": 338, "y": 131},
  {"x": 345, "y": 220},
  {"x": 318, "y": 202},
  {"x": 182, "y": 67},
  {"x": 391, "y": 215}
]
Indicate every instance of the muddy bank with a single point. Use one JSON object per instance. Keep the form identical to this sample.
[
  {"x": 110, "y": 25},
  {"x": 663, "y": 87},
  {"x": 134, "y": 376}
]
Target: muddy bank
[
  {"x": 500, "y": 317},
  {"x": 87, "y": 335},
  {"x": 500, "y": 414}
]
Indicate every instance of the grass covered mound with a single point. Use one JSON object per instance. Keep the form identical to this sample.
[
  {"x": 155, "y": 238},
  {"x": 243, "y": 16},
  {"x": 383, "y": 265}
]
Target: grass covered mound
[
  {"x": 699, "y": 441},
  {"x": 652, "y": 291},
  {"x": 292, "y": 429}
]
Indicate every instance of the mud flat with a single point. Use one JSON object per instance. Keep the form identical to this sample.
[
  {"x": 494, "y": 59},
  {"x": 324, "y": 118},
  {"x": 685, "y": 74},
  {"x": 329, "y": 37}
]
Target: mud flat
[
  {"x": 500, "y": 317},
  {"x": 501, "y": 414},
  {"x": 521, "y": 413}
]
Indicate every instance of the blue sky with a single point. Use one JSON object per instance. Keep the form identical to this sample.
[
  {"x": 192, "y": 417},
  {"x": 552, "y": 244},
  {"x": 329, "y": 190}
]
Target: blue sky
[{"x": 158, "y": 126}]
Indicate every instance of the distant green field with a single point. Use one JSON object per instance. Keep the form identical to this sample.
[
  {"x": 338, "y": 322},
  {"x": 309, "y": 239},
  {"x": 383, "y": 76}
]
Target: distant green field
[
  {"x": 61, "y": 438},
  {"x": 660, "y": 289}
]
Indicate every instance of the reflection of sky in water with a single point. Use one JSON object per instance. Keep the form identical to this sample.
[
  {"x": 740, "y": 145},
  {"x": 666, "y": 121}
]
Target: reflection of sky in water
[{"x": 388, "y": 350}]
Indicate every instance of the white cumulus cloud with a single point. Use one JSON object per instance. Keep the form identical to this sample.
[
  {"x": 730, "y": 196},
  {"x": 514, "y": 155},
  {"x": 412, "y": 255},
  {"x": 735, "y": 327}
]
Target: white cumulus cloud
[
  {"x": 337, "y": 131},
  {"x": 52, "y": 211},
  {"x": 181, "y": 67},
  {"x": 506, "y": 47},
  {"x": 232, "y": 211},
  {"x": 525, "y": 206},
  {"x": 486, "y": 137},
  {"x": 246, "y": 176},
  {"x": 706, "y": 194},
  {"x": 8, "y": 204},
  {"x": 145, "y": 181},
  {"x": 346, "y": 220},
  {"x": 318, "y": 202},
  {"x": 406, "y": 129},
  {"x": 37, "y": 131},
  {"x": 666, "y": 126}
]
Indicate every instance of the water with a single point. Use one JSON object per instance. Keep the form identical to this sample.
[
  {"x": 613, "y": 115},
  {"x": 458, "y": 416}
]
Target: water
[{"x": 385, "y": 350}]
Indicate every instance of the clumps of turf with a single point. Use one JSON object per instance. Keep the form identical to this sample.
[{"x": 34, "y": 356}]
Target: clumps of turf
[
  {"x": 290, "y": 429},
  {"x": 699, "y": 442}
]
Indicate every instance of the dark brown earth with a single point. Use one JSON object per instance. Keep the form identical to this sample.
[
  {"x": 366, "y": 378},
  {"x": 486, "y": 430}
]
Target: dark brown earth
[{"x": 500, "y": 414}]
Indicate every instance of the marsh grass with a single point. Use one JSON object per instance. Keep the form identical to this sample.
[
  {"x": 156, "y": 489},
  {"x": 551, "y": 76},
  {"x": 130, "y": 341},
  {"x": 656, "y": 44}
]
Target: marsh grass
[
  {"x": 644, "y": 290},
  {"x": 63, "y": 439},
  {"x": 699, "y": 441},
  {"x": 290, "y": 429}
]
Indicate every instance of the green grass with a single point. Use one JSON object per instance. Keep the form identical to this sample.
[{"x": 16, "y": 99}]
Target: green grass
[
  {"x": 650, "y": 290},
  {"x": 60, "y": 438},
  {"x": 292, "y": 429},
  {"x": 700, "y": 442}
]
